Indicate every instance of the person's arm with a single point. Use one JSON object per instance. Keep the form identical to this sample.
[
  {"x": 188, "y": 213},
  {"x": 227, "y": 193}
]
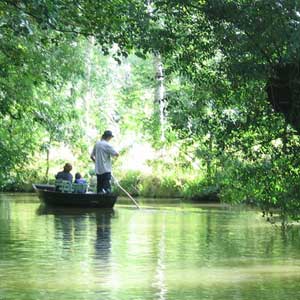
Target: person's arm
[
  {"x": 112, "y": 151},
  {"x": 93, "y": 154}
]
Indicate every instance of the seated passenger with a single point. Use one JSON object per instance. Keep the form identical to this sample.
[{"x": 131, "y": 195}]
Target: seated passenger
[
  {"x": 79, "y": 179},
  {"x": 65, "y": 174},
  {"x": 79, "y": 185}
]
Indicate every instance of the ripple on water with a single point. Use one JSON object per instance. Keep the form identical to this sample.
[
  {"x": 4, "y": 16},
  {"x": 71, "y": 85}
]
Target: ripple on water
[{"x": 166, "y": 252}]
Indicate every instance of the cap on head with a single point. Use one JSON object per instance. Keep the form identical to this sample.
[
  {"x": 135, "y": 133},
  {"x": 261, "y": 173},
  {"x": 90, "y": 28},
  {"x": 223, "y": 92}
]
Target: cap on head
[{"x": 107, "y": 134}]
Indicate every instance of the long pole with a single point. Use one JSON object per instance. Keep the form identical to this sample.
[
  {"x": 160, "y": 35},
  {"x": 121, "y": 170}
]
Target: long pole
[{"x": 118, "y": 184}]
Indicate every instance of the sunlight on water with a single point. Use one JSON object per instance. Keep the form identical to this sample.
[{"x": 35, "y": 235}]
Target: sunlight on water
[{"x": 172, "y": 251}]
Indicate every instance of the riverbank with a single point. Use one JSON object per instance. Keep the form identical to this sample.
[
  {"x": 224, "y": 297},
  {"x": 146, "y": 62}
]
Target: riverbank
[{"x": 148, "y": 186}]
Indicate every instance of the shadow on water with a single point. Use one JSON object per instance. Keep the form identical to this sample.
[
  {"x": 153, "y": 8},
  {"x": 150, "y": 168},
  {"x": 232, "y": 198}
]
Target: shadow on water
[{"x": 72, "y": 211}]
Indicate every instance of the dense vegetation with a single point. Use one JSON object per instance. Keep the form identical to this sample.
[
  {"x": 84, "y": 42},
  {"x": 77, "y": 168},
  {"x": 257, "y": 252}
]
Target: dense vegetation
[{"x": 207, "y": 91}]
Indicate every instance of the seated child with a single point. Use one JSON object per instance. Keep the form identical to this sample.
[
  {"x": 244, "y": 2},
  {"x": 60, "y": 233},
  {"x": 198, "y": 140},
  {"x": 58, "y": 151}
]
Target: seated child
[{"x": 79, "y": 179}]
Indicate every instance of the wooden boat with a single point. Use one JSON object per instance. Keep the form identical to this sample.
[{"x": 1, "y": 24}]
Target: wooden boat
[{"x": 50, "y": 196}]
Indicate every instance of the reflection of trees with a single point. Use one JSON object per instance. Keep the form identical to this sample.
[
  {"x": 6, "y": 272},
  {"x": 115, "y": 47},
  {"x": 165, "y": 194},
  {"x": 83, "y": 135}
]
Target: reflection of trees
[
  {"x": 160, "y": 278},
  {"x": 229, "y": 237},
  {"x": 146, "y": 253},
  {"x": 5, "y": 210},
  {"x": 5, "y": 216}
]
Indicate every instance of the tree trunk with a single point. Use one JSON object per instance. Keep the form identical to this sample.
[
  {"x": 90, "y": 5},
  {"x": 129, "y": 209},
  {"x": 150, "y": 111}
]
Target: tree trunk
[
  {"x": 209, "y": 159},
  {"x": 89, "y": 95},
  {"x": 48, "y": 160},
  {"x": 160, "y": 93}
]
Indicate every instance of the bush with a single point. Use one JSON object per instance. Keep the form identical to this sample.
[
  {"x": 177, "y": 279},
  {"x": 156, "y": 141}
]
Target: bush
[
  {"x": 149, "y": 185},
  {"x": 130, "y": 182},
  {"x": 272, "y": 185},
  {"x": 199, "y": 189},
  {"x": 155, "y": 187}
]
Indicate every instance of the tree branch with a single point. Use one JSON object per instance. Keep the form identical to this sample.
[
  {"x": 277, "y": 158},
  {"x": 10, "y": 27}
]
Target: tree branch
[{"x": 43, "y": 20}]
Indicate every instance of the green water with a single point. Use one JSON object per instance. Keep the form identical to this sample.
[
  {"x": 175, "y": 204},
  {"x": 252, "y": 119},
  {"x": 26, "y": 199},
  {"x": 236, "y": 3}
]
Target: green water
[{"x": 172, "y": 251}]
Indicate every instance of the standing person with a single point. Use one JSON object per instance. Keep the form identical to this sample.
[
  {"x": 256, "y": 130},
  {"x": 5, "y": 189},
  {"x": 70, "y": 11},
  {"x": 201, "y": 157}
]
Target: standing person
[
  {"x": 101, "y": 155},
  {"x": 65, "y": 174}
]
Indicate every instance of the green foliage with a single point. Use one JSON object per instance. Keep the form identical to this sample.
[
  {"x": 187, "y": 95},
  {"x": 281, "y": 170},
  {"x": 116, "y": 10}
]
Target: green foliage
[
  {"x": 272, "y": 184},
  {"x": 130, "y": 181},
  {"x": 37, "y": 110},
  {"x": 200, "y": 189},
  {"x": 218, "y": 58},
  {"x": 159, "y": 187},
  {"x": 153, "y": 186}
]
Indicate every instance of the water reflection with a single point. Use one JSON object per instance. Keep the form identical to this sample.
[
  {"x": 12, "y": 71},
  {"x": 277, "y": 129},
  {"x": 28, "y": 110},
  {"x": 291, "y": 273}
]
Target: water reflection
[
  {"x": 103, "y": 234},
  {"x": 170, "y": 252},
  {"x": 160, "y": 278},
  {"x": 75, "y": 225}
]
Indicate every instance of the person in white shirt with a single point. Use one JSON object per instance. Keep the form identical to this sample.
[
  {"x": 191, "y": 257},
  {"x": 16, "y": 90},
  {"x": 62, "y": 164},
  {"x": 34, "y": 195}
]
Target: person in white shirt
[{"x": 101, "y": 155}]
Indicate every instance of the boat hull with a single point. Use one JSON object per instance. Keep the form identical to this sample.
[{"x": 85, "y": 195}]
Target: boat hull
[{"x": 49, "y": 196}]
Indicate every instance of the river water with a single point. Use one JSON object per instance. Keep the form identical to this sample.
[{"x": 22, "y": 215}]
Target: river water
[{"x": 170, "y": 251}]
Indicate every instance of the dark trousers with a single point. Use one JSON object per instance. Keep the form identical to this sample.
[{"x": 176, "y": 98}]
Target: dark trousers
[{"x": 103, "y": 182}]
